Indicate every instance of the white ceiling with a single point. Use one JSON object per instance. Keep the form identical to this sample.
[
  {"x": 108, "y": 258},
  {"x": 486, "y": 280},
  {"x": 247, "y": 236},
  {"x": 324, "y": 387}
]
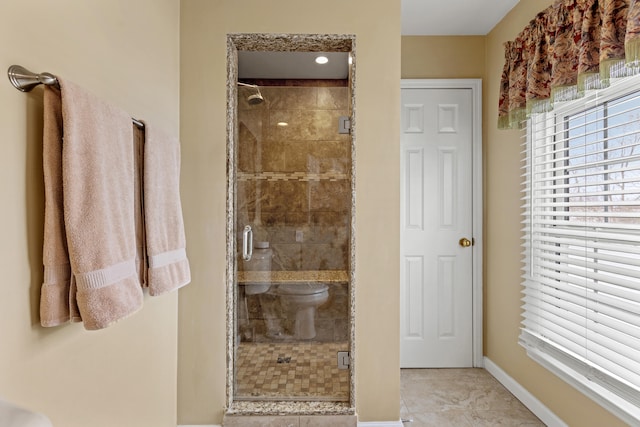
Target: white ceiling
[
  {"x": 419, "y": 17},
  {"x": 452, "y": 17}
]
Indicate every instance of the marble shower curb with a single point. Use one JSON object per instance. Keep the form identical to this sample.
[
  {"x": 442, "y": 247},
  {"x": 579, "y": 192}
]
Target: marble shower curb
[{"x": 360, "y": 424}]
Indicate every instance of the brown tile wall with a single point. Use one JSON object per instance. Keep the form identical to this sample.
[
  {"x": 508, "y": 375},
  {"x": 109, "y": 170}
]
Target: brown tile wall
[{"x": 296, "y": 178}]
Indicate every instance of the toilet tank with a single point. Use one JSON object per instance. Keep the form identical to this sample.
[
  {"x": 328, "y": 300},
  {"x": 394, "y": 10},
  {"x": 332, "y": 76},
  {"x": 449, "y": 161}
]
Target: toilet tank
[{"x": 260, "y": 261}]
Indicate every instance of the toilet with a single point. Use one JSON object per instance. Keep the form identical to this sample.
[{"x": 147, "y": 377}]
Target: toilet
[{"x": 303, "y": 298}]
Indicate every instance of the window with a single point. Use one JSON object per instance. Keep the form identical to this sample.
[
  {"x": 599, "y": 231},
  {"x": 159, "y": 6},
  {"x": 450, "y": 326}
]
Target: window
[{"x": 581, "y": 312}]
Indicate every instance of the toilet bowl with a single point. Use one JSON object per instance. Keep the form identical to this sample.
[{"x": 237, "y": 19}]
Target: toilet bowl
[
  {"x": 256, "y": 288},
  {"x": 303, "y": 298}
]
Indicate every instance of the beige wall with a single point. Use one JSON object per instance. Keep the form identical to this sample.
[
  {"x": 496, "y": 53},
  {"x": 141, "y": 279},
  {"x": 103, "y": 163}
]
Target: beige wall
[
  {"x": 127, "y": 53},
  {"x": 502, "y": 239},
  {"x": 443, "y": 57},
  {"x": 202, "y": 352}
]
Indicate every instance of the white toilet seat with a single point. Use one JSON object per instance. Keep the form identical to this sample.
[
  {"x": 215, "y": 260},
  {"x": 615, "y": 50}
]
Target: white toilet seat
[{"x": 301, "y": 288}]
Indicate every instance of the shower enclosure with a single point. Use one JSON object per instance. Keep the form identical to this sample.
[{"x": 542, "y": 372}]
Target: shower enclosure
[{"x": 290, "y": 222}]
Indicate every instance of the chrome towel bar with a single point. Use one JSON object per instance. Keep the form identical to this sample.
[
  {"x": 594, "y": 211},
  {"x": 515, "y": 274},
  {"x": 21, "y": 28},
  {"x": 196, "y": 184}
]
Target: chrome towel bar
[{"x": 25, "y": 80}]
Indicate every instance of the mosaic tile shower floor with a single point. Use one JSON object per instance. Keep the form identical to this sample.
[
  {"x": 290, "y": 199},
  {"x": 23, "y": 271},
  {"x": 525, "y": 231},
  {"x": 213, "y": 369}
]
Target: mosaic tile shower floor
[{"x": 291, "y": 371}]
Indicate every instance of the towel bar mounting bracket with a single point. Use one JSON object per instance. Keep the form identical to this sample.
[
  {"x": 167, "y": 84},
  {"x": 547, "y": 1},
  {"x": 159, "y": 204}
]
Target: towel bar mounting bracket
[{"x": 25, "y": 80}]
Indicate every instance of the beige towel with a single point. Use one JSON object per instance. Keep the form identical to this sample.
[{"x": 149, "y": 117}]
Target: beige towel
[
  {"x": 98, "y": 191},
  {"x": 168, "y": 263},
  {"x": 57, "y": 303}
]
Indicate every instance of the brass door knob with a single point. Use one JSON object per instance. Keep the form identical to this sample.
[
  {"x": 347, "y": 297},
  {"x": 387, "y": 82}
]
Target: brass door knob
[{"x": 464, "y": 242}]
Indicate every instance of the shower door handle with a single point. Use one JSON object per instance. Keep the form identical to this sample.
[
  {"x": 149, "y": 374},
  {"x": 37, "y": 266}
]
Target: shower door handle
[{"x": 247, "y": 243}]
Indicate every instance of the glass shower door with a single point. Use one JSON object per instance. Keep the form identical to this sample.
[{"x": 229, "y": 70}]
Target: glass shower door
[{"x": 293, "y": 222}]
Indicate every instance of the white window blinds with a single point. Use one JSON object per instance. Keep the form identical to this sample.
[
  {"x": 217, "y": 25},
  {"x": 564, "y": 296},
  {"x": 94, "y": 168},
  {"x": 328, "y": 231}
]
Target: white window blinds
[{"x": 581, "y": 221}]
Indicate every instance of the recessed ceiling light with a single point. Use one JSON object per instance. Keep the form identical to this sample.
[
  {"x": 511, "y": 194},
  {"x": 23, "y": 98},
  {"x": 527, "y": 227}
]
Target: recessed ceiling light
[
  {"x": 322, "y": 60},
  {"x": 283, "y": 124}
]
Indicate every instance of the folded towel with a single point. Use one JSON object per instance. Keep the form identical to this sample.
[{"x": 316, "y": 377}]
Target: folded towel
[
  {"x": 99, "y": 204},
  {"x": 113, "y": 217},
  {"x": 164, "y": 226},
  {"x": 57, "y": 302},
  {"x": 98, "y": 193}
]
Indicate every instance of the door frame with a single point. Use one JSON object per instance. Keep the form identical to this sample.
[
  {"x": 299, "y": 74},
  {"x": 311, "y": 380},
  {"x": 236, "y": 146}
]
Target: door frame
[
  {"x": 266, "y": 42},
  {"x": 477, "y": 198}
]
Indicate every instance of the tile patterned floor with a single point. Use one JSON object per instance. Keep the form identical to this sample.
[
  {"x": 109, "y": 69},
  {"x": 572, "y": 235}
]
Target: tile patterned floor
[
  {"x": 460, "y": 398},
  {"x": 291, "y": 371}
]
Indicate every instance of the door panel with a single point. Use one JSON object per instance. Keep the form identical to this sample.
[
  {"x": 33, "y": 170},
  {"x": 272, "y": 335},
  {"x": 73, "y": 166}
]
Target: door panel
[{"x": 436, "y": 212}]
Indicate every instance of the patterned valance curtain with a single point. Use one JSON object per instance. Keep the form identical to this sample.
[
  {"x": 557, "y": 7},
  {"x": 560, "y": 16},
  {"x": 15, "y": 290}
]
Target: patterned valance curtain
[{"x": 569, "y": 48}]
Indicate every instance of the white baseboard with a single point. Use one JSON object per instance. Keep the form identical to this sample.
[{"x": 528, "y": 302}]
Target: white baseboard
[
  {"x": 381, "y": 424},
  {"x": 528, "y": 399}
]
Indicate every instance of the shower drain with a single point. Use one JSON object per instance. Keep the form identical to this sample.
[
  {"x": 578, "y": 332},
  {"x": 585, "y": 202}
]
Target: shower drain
[{"x": 284, "y": 359}]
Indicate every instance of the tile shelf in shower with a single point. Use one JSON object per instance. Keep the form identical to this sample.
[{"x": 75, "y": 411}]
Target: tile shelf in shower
[
  {"x": 291, "y": 176},
  {"x": 276, "y": 277}
]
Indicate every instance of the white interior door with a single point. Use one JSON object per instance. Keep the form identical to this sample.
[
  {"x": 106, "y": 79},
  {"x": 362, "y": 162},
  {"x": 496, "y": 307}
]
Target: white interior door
[{"x": 436, "y": 216}]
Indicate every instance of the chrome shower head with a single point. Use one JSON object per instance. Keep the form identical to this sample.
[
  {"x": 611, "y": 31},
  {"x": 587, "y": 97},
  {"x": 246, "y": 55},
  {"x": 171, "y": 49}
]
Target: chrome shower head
[{"x": 255, "y": 98}]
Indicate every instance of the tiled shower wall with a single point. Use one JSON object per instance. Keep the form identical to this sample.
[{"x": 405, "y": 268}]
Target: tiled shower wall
[
  {"x": 294, "y": 181},
  {"x": 294, "y": 189}
]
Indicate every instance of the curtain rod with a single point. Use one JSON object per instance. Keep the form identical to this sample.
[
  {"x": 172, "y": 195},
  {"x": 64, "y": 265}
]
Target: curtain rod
[{"x": 25, "y": 80}]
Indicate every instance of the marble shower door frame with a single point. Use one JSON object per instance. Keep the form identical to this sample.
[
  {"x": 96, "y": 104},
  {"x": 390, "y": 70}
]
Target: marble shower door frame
[{"x": 299, "y": 43}]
